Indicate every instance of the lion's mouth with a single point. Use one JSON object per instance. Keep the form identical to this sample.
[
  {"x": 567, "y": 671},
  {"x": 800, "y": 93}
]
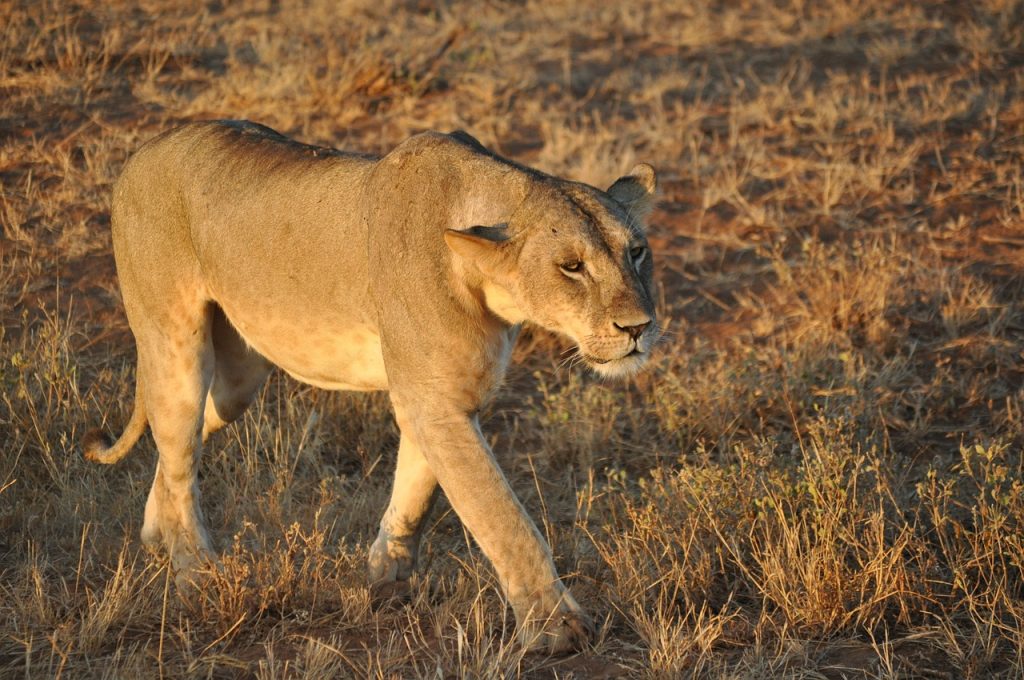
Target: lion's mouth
[
  {"x": 636, "y": 351},
  {"x": 622, "y": 366}
]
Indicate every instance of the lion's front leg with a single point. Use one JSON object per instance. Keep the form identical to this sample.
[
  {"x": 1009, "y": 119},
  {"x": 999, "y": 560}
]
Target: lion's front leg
[
  {"x": 393, "y": 555},
  {"x": 548, "y": 616}
]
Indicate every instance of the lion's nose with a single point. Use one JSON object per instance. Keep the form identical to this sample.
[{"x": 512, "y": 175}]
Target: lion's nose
[{"x": 634, "y": 330}]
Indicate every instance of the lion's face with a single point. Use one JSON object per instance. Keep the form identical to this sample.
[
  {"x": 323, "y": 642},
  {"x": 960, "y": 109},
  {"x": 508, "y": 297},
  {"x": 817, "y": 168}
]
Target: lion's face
[
  {"x": 582, "y": 267},
  {"x": 585, "y": 271}
]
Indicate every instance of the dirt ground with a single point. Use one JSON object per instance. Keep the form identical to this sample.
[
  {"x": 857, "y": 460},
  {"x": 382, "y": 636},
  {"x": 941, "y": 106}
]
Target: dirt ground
[{"x": 820, "y": 475}]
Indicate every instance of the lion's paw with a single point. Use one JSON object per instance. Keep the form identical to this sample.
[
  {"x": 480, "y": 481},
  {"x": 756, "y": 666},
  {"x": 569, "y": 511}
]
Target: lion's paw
[
  {"x": 565, "y": 632},
  {"x": 388, "y": 595}
]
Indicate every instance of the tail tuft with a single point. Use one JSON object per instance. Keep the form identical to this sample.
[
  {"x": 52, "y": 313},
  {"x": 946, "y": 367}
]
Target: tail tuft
[
  {"x": 99, "y": 448},
  {"x": 95, "y": 443}
]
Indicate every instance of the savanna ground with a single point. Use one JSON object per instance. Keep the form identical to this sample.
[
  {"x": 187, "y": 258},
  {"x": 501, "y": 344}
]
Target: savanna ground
[{"x": 820, "y": 475}]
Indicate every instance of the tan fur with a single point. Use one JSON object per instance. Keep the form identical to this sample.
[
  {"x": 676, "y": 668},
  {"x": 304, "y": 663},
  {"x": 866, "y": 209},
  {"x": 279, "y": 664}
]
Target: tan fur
[{"x": 238, "y": 249}]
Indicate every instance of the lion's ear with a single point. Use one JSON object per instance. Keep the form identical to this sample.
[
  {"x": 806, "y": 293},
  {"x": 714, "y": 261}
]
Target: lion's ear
[
  {"x": 486, "y": 247},
  {"x": 636, "y": 191}
]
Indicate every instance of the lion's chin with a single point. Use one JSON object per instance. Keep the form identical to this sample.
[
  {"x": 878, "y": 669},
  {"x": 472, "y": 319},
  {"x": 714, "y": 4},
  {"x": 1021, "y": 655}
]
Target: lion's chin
[{"x": 623, "y": 367}]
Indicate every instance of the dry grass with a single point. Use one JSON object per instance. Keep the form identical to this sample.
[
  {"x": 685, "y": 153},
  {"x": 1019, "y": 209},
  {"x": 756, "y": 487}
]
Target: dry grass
[{"x": 821, "y": 477}]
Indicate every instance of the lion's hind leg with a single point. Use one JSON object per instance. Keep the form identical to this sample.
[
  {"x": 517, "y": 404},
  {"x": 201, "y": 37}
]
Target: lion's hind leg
[
  {"x": 238, "y": 374},
  {"x": 178, "y": 364}
]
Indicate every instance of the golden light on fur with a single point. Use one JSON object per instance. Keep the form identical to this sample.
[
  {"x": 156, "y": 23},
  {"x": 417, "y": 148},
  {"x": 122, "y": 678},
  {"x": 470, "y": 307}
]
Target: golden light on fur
[{"x": 229, "y": 237}]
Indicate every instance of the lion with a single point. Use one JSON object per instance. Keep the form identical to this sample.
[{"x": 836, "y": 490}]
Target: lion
[{"x": 239, "y": 249}]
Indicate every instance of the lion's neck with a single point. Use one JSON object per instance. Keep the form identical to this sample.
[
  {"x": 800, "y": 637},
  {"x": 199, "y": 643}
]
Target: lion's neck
[{"x": 500, "y": 302}]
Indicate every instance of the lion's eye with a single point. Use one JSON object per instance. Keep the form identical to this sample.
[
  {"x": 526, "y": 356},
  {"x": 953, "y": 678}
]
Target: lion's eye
[
  {"x": 575, "y": 267},
  {"x": 637, "y": 254}
]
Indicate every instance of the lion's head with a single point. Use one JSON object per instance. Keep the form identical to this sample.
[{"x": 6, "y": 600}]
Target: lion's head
[{"x": 575, "y": 260}]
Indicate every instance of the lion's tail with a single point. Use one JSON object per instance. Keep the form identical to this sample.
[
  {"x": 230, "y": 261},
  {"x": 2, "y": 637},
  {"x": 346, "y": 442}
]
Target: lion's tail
[{"x": 97, "y": 445}]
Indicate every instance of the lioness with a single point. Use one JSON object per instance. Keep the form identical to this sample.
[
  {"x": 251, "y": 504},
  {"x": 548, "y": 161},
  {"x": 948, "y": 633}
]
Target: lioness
[{"x": 239, "y": 249}]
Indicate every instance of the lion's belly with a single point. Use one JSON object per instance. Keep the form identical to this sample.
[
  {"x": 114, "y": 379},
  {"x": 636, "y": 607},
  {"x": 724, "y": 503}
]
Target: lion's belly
[{"x": 332, "y": 358}]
